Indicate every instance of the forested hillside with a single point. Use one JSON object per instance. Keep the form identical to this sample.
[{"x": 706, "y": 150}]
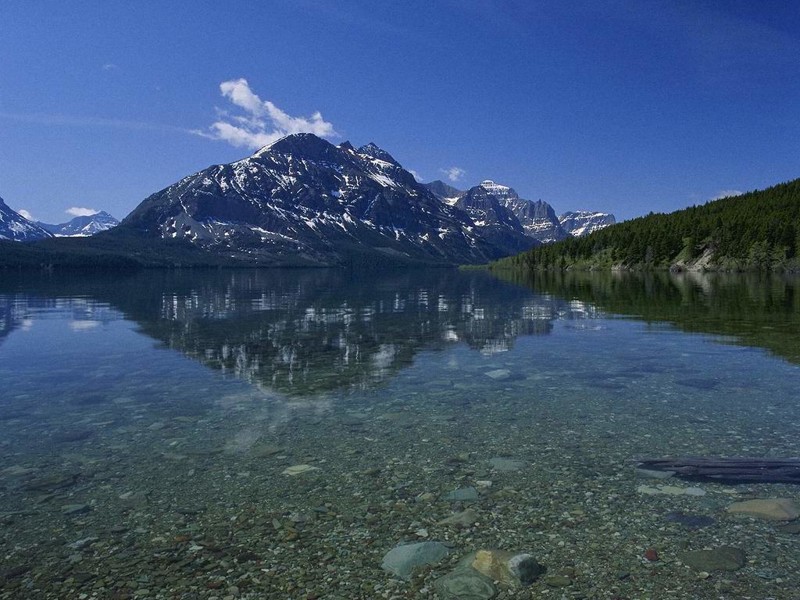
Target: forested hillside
[{"x": 757, "y": 230}]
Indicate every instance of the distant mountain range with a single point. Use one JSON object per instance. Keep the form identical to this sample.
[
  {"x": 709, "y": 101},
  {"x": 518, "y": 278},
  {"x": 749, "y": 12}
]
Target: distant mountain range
[
  {"x": 537, "y": 218},
  {"x": 82, "y": 226},
  {"x": 304, "y": 201},
  {"x": 15, "y": 227}
]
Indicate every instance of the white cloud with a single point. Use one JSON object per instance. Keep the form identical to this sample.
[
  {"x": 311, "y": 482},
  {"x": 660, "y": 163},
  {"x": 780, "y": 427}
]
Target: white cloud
[
  {"x": 262, "y": 122},
  {"x": 416, "y": 175},
  {"x": 78, "y": 211},
  {"x": 454, "y": 173},
  {"x": 109, "y": 67},
  {"x": 26, "y": 214},
  {"x": 727, "y": 194}
]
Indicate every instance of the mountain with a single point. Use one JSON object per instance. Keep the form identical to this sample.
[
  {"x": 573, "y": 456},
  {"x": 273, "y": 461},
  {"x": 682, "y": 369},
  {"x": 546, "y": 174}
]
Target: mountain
[
  {"x": 537, "y": 218},
  {"x": 82, "y": 226},
  {"x": 446, "y": 193},
  {"x": 497, "y": 223},
  {"x": 302, "y": 200},
  {"x": 15, "y": 227},
  {"x": 759, "y": 230},
  {"x": 583, "y": 222}
]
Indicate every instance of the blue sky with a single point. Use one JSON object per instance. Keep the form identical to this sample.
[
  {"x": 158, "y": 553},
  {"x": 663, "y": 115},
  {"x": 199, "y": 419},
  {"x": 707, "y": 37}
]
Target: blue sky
[{"x": 622, "y": 106}]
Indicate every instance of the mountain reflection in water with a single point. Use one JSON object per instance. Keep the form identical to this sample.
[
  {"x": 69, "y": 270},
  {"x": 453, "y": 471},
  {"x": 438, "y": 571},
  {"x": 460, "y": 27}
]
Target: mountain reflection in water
[
  {"x": 307, "y": 332},
  {"x": 302, "y": 332}
]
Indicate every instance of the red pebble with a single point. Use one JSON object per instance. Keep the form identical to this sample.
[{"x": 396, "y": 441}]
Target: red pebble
[{"x": 651, "y": 554}]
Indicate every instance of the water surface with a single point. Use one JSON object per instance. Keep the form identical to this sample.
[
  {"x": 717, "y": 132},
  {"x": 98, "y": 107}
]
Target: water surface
[{"x": 147, "y": 420}]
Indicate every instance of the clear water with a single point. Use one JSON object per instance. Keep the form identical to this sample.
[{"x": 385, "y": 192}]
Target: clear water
[{"x": 146, "y": 422}]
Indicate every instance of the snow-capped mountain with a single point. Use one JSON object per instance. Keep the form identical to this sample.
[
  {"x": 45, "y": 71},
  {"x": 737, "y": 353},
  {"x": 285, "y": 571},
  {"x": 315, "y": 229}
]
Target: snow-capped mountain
[
  {"x": 304, "y": 200},
  {"x": 537, "y": 218},
  {"x": 583, "y": 222},
  {"x": 13, "y": 226},
  {"x": 82, "y": 226},
  {"x": 496, "y": 221}
]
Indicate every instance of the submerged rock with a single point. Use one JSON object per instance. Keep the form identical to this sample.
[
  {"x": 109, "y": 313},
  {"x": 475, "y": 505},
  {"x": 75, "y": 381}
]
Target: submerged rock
[
  {"x": 401, "y": 560},
  {"x": 653, "y": 474},
  {"x": 506, "y": 464},
  {"x": 771, "y": 509},
  {"x": 724, "y": 558},
  {"x": 499, "y": 374},
  {"x": 465, "y": 518},
  {"x": 465, "y": 494},
  {"x": 465, "y": 584},
  {"x": 670, "y": 490},
  {"x": 507, "y": 568},
  {"x": 75, "y": 509},
  {"x": 298, "y": 470},
  {"x": 689, "y": 521}
]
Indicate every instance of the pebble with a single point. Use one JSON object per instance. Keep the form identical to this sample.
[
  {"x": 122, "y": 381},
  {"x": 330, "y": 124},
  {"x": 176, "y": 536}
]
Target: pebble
[
  {"x": 670, "y": 490},
  {"x": 295, "y": 470},
  {"x": 465, "y": 518},
  {"x": 75, "y": 509},
  {"x": 80, "y": 544},
  {"x": 771, "y": 509},
  {"x": 557, "y": 581}
]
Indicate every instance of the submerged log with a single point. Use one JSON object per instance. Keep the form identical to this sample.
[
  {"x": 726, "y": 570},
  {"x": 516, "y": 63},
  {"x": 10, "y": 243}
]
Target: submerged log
[{"x": 728, "y": 470}]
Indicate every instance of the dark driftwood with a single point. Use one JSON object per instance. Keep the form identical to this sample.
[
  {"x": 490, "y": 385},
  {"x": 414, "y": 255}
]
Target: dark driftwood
[{"x": 728, "y": 470}]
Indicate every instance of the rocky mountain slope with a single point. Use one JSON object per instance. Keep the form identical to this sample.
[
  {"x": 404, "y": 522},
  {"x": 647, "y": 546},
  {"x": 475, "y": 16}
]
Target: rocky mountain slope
[
  {"x": 13, "y": 226},
  {"x": 583, "y": 222},
  {"x": 82, "y": 226},
  {"x": 537, "y": 218},
  {"x": 302, "y": 200}
]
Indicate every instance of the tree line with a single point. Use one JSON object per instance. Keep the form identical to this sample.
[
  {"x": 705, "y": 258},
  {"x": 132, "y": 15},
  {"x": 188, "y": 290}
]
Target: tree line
[{"x": 759, "y": 230}]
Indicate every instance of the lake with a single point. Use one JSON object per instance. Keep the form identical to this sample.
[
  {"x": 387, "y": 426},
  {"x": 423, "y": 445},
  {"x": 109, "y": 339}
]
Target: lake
[{"x": 274, "y": 433}]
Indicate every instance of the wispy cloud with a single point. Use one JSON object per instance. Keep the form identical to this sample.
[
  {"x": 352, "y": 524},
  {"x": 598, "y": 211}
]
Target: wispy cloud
[
  {"x": 454, "y": 173},
  {"x": 416, "y": 175},
  {"x": 261, "y": 122},
  {"x": 727, "y": 194},
  {"x": 78, "y": 211},
  {"x": 109, "y": 67},
  {"x": 26, "y": 214}
]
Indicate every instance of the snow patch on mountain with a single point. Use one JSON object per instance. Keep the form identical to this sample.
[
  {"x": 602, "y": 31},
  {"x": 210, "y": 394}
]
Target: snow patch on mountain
[
  {"x": 15, "y": 227},
  {"x": 83, "y": 226}
]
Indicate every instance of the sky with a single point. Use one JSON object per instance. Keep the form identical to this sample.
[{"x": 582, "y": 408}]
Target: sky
[{"x": 623, "y": 106}]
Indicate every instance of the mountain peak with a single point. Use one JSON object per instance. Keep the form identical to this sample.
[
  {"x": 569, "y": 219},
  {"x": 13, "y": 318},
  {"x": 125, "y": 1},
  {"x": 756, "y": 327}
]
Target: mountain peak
[
  {"x": 296, "y": 142},
  {"x": 498, "y": 189},
  {"x": 446, "y": 193},
  {"x": 375, "y": 151}
]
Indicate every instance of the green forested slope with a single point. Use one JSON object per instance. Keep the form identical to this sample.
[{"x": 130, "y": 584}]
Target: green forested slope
[{"x": 757, "y": 230}]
